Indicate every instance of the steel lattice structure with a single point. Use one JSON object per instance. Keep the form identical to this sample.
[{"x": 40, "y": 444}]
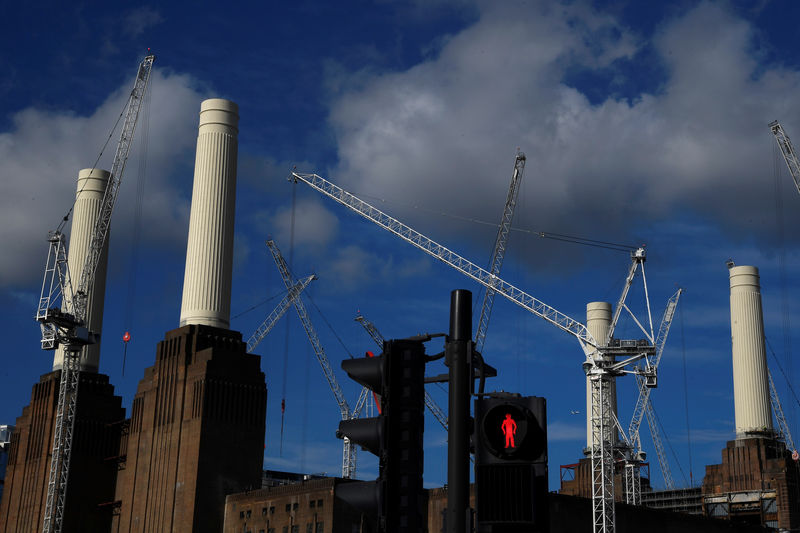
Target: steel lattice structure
[
  {"x": 601, "y": 365},
  {"x": 62, "y": 313}
]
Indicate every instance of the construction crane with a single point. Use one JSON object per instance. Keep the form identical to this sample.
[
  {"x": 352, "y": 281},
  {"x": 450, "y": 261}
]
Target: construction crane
[
  {"x": 276, "y": 314},
  {"x": 499, "y": 252},
  {"x": 792, "y": 162},
  {"x": 61, "y": 312},
  {"x": 633, "y": 456},
  {"x": 430, "y": 403},
  {"x": 348, "y": 451},
  {"x": 789, "y": 155},
  {"x": 601, "y": 364},
  {"x": 782, "y": 424}
]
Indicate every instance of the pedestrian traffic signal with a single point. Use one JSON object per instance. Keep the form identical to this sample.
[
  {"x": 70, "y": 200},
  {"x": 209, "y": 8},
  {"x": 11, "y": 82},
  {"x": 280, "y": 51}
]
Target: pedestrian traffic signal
[
  {"x": 395, "y": 501},
  {"x": 510, "y": 464}
]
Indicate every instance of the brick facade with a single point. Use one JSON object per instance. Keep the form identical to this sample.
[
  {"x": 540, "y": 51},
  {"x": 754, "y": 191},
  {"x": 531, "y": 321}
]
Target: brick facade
[
  {"x": 92, "y": 476},
  {"x": 196, "y": 433},
  {"x": 581, "y": 482},
  {"x": 306, "y": 507},
  {"x": 754, "y": 471}
]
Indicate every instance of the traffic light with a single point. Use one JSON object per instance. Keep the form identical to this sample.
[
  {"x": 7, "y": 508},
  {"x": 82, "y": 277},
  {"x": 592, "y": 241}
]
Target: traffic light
[
  {"x": 395, "y": 500},
  {"x": 511, "y": 464}
]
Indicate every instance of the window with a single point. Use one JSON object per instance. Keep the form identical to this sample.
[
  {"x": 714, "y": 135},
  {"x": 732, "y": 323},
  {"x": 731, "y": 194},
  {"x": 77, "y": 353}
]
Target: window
[
  {"x": 295, "y": 529},
  {"x": 288, "y": 507},
  {"x": 320, "y": 527},
  {"x": 263, "y": 513},
  {"x": 312, "y": 503},
  {"x": 294, "y": 506},
  {"x": 310, "y": 527},
  {"x": 285, "y": 529},
  {"x": 270, "y": 530},
  {"x": 260, "y": 531},
  {"x": 319, "y": 503},
  {"x": 248, "y": 513},
  {"x": 271, "y": 509},
  {"x": 241, "y": 514}
]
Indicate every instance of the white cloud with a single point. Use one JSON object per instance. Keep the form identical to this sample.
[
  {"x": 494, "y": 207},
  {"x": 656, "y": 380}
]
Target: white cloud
[
  {"x": 314, "y": 225},
  {"x": 444, "y": 131},
  {"x": 44, "y": 150},
  {"x": 557, "y": 431}
]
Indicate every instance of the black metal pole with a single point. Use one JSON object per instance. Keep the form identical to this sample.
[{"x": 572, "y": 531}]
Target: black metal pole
[{"x": 457, "y": 354}]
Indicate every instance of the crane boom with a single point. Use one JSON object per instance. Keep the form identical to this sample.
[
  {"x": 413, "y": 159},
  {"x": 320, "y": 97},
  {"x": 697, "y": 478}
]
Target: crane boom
[
  {"x": 600, "y": 366},
  {"x": 280, "y": 309},
  {"x": 68, "y": 326},
  {"x": 466, "y": 267},
  {"x": 348, "y": 461},
  {"x": 499, "y": 252},
  {"x": 644, "y": 390},
  {"x": 100, "y": 233},
  {"x": 660, "y": 453},
  {"x": 789, "y": 155},
  {"x": 778, "y": 410},
  {"x": 430, "y": 403}
]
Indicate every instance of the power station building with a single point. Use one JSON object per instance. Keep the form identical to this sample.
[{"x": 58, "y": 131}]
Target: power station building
[
  {"x": 758, "y": 481},
  {"x": 98, "y": 410},
  {"x": 196, "y": 427},
  {"x": 189, "y": 456}
]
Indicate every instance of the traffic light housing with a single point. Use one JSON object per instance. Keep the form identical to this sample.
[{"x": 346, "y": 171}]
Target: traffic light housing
[
  {"x": 510, "y": 441},
  {"x": 395, "y": 500}
]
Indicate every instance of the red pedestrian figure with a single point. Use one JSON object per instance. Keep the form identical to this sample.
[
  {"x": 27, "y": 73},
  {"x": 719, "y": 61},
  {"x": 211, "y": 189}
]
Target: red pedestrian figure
[{"x": 509, "y": 428}]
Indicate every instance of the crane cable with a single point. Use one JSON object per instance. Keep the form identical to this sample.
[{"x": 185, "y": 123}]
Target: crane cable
[
  {"x": 65, "y": 218},
  {"x": 686, "y": 400},
  {"x": 130, "y": 302},
  {"x": 288, "y": 321},
  {"x": 563, "y": 237},
  {"x": 781, "y": 226}
]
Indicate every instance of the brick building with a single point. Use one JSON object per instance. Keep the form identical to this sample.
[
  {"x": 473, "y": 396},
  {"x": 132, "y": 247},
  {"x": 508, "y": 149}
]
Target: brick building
[
  {"x": 92, "y": 468},
  {"x": 309, "y": 506},
  {"x": 757, "y": 482},
  {"x": 576, "y": 479},
  {"x": 196, "y": 433}
]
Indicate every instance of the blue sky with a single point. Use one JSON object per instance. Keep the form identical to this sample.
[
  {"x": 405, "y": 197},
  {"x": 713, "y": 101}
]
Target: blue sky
[{"x": 640, "y": 125}]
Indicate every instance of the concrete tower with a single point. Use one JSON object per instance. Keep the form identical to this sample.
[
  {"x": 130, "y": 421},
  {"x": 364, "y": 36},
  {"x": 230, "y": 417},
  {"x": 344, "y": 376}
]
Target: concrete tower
[
  {"x": 92, "y": 185},
  {"x": 209, "y": 253},
  {"x": 750, "y": 383},
  {"x": 598, "y": 320}
]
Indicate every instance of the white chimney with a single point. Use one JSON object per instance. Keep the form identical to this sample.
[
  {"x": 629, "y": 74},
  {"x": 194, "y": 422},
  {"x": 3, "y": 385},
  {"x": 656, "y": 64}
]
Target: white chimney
[
  {"x": 598, "y": 320},
  {"x": 92, "y": 185},
  {"x": 750, "y": 382},
  {"x": 209, "y": 253}
]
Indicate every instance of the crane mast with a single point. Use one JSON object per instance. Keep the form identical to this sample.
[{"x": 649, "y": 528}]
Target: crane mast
[
  {"x": 499, "y": 252},
  {"x": 430, "y": 403},
  {"x": 789, "y": 155},
  {"x": 66, "y": 324},
  {"x": 645, "y": 382},
  {"x": 600, "y": 366},
  {"x": 276, "y": 314},
  {"x": 348, "y": 452}
]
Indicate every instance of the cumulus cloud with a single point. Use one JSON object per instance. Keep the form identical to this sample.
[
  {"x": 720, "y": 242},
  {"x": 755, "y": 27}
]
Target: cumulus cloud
[
  {"x": 353, "y": 266},
  {"x": 314, "y": 225},
  {"x": 445, "y": 130},
  {"x": 44, "y": 149}
]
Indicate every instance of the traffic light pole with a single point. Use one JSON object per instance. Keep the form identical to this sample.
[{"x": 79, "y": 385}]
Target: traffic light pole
[{"x": 458, "y": 351}]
